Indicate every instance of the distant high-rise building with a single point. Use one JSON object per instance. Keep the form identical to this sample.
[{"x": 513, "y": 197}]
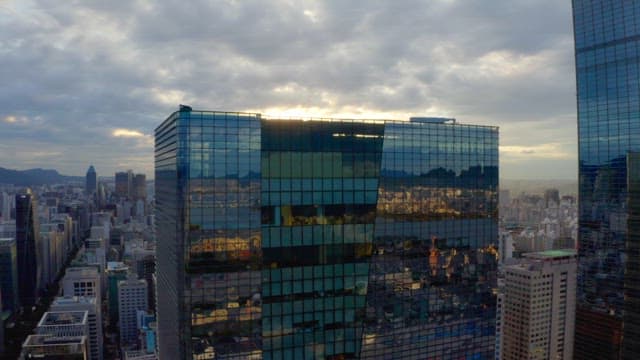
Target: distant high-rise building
[
  {"x": 5, "y": 210},
  {"x": 607, "y": 53},
  {"x": 538, "y": 307},
  {"x": 9, "y": 274},
  {"x": 124, "y": 182},
  {"x": 139, "y": 187},
  {"x": 91, "y": 181},
  {"x": 28, "y": 248},
  {"x": 132, "y": 297},
  {"x": 551, "y": 196},
  {"x": 505, "y": 198},
  {"x": 325, "y": 239}
]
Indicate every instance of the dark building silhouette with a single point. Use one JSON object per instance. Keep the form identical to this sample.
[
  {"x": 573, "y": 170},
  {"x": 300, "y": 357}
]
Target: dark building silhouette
[
  {"x": 91, "y": 181},
  {"x": 27, "y": 234},
  {"x": 124, "y": 182},
  {"x": 551, "y": 196},
  {"x": 139, "y": 187}
]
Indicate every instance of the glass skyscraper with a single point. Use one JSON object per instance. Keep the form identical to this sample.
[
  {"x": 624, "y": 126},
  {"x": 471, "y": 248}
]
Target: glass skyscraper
[
  {"x": 607, "y": 50},
  {"x": 91, "y": 181},
  {"x": 28, "y": 248},
  {"x": 325, "y": 239}
]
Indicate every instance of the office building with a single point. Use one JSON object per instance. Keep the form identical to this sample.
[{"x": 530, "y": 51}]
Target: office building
[
  {"x": 82, "y": 281},
  {"x": 28, "y": 248},
  {"x": 139, "y": 187},
  {"x": 116, "y": 271},
  {"x": 145, "y": 268},
  {"x": 91, "y": 182},
  {"x": 607, "y": 53},
  {"x": 538, "y": 306},
  {"x": 47, "y": 347},
  {"x": 9, "y": 274},
  {"x": 64, "y": 323},
  {"x": 132, "y": 297},
  {"x": 124, "y": 182},
  {"x": 94, "y": 320},
  {"x": 325, "y": 238},
  {"x": 5, "y": 210}
]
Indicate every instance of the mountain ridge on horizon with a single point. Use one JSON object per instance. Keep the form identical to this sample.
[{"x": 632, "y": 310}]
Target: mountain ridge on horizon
[{"x": 36, "y": 176}]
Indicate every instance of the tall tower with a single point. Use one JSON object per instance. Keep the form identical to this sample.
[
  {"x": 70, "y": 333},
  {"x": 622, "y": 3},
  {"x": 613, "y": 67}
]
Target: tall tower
[
  {"x": 330, "y": 239},
  {"x": 91, "y": 181},
  {"x": 27, "y": 233},
  {"x": 607, "y": 53}
]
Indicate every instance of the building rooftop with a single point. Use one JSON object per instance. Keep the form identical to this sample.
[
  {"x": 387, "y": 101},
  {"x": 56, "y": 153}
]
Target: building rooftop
[
  {"x": 89, "y": 270},
  {"x": 552, "y": 254},
  {"x": 63, "y": 318},
  {"x": 70, "y": 300},
  {"x": 412, "y": 120},
  {"x": 6, "y": 240},
  {"x": 40, "y": 340},
  {"x": 116, "y": 266}
]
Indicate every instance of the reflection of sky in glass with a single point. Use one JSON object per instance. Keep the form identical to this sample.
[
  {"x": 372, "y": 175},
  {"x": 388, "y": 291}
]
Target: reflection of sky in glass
[
  {"x": 298, "y": 232},
  {"x": 608, "y": 86},
  {"x": 423, "y": 149}
]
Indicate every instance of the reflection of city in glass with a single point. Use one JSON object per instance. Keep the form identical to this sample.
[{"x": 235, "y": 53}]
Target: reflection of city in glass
[
  {"x": 291, "y": 239},
  {"x": 607, "y": 49}
]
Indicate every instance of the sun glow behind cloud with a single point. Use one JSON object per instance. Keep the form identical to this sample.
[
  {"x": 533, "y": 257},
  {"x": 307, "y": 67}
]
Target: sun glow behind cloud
[{"x": 127, "y": 133}]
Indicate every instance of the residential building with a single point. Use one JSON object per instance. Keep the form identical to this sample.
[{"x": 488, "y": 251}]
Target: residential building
[
  {"x": 538, "y": 306},
  {"x": 607, "y": 52},
  {"x": 325, "y": 238}
]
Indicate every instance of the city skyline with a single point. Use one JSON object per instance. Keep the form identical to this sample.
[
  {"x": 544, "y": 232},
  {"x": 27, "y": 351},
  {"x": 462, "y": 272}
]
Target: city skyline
[{"x": 94, "y": 78}]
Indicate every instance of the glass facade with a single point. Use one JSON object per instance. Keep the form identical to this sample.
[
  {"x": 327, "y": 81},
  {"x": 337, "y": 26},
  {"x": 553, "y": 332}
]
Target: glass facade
[
  {"x": 325, "y": 239},
  {"x": 433, "y": 271},
  {"x": 28, "y": 249},
  {"x": 607, "y": 50}
]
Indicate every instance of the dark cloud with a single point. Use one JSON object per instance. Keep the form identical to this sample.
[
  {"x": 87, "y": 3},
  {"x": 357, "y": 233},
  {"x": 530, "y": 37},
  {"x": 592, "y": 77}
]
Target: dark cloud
[{"x": 77, "y": 70}]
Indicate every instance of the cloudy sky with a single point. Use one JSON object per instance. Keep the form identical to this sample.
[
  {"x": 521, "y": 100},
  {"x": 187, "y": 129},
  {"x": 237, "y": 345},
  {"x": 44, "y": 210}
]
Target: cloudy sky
[{"x": 86, "y": 81}]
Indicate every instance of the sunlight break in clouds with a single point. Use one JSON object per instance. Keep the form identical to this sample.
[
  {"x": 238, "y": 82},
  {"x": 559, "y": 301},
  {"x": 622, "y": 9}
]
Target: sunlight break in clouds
[
  {"x": 128, "y": 133},
  {"x": 11, "y": 119}
]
